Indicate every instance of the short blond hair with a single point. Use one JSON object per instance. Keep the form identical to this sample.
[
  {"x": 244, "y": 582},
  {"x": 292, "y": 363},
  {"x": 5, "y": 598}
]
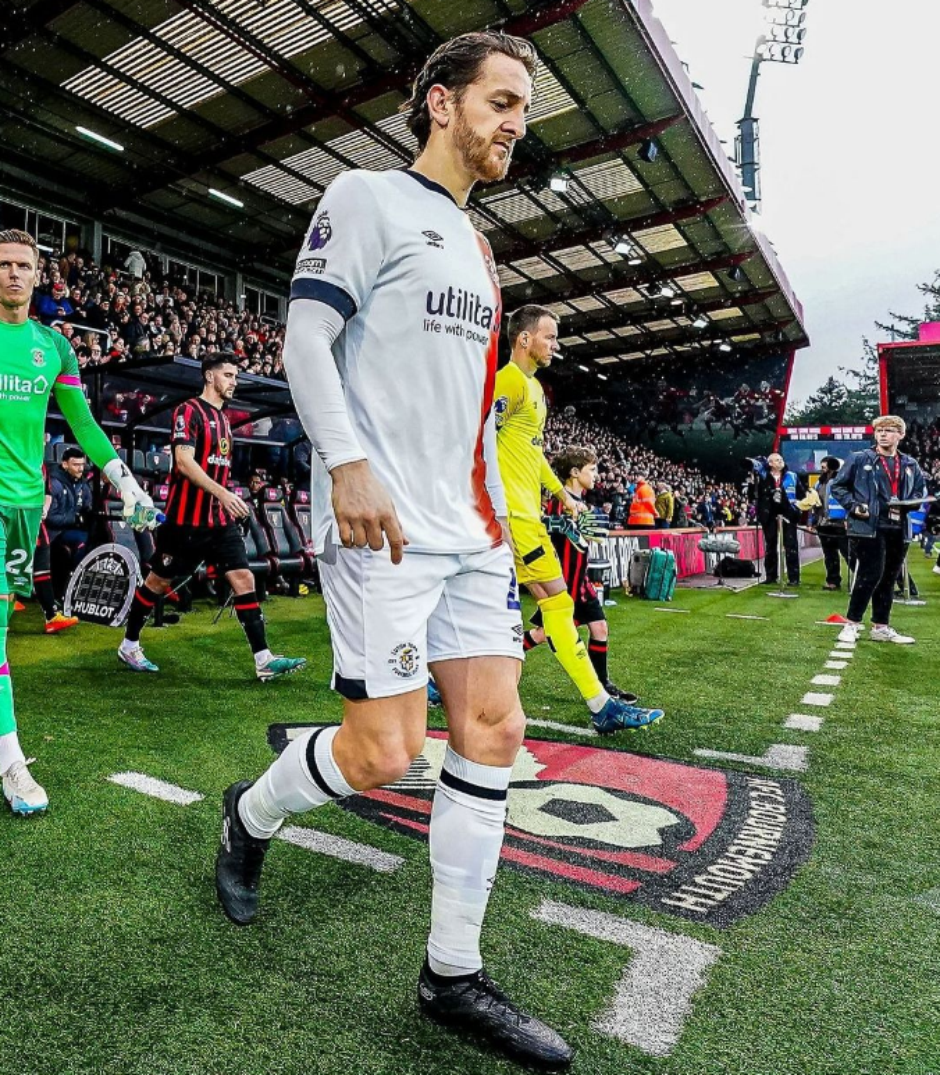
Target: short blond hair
[
  {"x": 889, "y": 421},
  {"x": 20, "y": 238}
]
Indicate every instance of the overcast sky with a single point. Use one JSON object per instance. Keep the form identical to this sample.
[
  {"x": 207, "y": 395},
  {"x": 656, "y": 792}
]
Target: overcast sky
[{"x": 849, "y": 153}]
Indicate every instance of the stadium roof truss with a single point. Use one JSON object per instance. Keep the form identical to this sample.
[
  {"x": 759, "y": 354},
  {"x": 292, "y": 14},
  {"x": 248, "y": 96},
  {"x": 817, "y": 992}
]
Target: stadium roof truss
[{"x": 268, "y": 100}]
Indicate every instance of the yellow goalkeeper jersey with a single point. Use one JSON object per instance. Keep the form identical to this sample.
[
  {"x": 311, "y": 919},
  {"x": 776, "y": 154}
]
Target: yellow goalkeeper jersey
[{"x": 520, "y": 408}]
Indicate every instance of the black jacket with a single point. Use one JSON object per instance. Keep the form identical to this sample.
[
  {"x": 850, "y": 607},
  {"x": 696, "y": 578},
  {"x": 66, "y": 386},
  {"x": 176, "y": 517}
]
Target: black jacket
[
  {"x": 767, "y": 506},
  {"x": 862, "y": 481},
  {"x": 71, "y": 503}
]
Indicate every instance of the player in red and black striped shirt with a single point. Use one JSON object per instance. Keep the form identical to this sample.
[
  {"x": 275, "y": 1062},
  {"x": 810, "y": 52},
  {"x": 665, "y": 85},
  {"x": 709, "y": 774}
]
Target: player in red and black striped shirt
[
  {"x": 201, "y": 524},
  {"x": 578, "y": 469}
]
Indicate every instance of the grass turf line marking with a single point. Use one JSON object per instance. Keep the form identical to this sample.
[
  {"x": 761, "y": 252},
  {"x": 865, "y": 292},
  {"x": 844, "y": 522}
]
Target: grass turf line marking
[
  {"x": 845, "y": 645},
  {"x": 799, "y": 722},
  {"x": 777, "y": 756},
  {"x": 842, "y": 654},
  {"x": 930, "y": 898},
  {"x": 681, "y": 611},
  {"x": 654, "y": 997},
  {"x": 156, "y": 789},
  {"x": 836, "y": 664},
  {"x": 812, "y": 698},
  {"x": 572, "y": 729},
  {"x": 826, "y": 681},
  {"x": 336, "y": 847},
  {"x": 741, "y": 616}
]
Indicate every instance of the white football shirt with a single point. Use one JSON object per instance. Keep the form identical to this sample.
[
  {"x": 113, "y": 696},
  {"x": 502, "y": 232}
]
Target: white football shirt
[{"x": 417, "y": 286}]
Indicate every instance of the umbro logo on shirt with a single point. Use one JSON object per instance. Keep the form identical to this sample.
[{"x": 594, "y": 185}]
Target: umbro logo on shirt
[{"x": 434, "y": 239}]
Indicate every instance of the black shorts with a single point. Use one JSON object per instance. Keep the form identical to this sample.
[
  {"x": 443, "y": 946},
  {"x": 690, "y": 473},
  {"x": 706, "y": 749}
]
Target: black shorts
[
  {"x": 585, "y": 612},
  {"x": 181, "y": 549}
]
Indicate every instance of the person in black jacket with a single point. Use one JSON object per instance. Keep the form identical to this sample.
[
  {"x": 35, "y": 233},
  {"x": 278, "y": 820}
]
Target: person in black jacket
[
  {"x": 71, "y": 506},
  {"x": 869, "y": 487},
  {"x": 776, "y": 490}
]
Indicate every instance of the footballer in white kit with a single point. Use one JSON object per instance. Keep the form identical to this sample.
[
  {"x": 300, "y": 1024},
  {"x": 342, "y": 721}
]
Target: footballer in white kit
[
  {"x": 395, "y": 256},
  {"x": 391, "y": 352}
]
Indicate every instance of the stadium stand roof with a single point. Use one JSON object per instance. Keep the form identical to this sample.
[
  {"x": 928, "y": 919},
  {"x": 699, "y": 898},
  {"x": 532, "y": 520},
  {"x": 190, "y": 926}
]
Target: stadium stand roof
[{"x": 267, "y": 100}]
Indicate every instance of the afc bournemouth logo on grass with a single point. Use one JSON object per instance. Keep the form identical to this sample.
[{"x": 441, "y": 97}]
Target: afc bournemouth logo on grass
[{"x": 704, "y": 844}]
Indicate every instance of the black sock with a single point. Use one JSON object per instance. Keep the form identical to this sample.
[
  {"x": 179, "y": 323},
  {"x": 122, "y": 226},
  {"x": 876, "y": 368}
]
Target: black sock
[
  {"x": 251, "y": 618},
  {"x": 45, "y": 595},
  {"x": 141, "y": 607},
  {"x": 528, "y": 642},
  {"x": 446, "y": 979},
  {"x": 597, "y": 651}
]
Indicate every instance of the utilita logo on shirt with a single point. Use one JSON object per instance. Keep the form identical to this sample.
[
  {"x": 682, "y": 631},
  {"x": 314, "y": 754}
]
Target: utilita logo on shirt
[
  {"x": 462, "y": 306},
  {"x": 14, "y": 386}
]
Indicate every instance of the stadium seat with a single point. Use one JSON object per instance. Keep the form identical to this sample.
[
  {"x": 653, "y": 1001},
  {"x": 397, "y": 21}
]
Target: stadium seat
[{"x": 287, "y": 544}]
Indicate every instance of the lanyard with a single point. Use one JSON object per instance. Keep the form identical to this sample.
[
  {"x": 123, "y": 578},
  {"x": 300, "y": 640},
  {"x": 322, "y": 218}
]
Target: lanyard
[{"x": 894, "y": 475}]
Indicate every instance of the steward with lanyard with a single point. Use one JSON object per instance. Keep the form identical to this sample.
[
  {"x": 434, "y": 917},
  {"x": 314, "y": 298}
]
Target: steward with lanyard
[{"x": 873, "y": 486}]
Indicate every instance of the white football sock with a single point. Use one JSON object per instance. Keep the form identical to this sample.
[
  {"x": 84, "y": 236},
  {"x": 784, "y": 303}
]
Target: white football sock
[
  {"x": 10, "y": 751},
  {"x": 597, "y": 703},
  {"x": 262, "y": 657},
  {"x": 467, "y": 823},
  {"x": 291, "y": 785}
]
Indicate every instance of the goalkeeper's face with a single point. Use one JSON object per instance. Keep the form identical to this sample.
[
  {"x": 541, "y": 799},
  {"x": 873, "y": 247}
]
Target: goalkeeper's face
[
  {"x": 543, "y": 342},
  {"x": 17, "y": 275}
]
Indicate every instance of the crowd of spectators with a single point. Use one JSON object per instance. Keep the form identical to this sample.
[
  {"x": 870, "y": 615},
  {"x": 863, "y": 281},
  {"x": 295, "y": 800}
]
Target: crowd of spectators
[
  {"x": 684, "y": 495},
  {"x": 113, "y": 313},
  {"x": 923, "y": 442}
]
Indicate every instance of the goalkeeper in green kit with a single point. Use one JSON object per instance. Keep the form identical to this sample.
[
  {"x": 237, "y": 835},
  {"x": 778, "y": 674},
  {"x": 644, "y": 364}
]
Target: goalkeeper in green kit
[{"x": 35, "y": 362}]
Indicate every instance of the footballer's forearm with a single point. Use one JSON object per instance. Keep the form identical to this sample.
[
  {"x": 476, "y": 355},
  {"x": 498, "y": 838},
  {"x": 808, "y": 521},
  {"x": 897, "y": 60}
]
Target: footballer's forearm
[
  {"x": 187, "y": 466},
  {"x": 90, "y": 436},
  {"x": 494, "y": 481},
  {"x": 312, "y": 329}
]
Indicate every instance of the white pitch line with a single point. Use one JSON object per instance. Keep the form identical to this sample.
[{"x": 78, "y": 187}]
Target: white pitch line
[
  {"x": 842, "y": 654},
  {"x": 572, "y": 729},
  {"x": 826, "y": 681},
  {"x": 654, "y": 997},
  {"x": 741, "y": 616},
  {"x": 845, "y": 645},
  {"x": 799, "y": 722},
  {"x": 777, "y": 756},
  {"x": 836, "y": 665},
  {"x": 156, "y": 789},
  {"x": 336, "y": 847},
  {"x": 812, "y": 698},
  {"x": 683, "y": 611}
]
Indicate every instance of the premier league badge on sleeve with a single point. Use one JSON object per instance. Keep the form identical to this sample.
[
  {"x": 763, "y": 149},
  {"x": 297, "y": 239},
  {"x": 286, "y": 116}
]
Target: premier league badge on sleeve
[{"x": 321, "y": 232}]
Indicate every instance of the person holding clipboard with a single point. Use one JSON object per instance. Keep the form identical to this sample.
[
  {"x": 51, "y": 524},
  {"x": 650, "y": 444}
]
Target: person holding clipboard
[{"x": 878, "y": 488}]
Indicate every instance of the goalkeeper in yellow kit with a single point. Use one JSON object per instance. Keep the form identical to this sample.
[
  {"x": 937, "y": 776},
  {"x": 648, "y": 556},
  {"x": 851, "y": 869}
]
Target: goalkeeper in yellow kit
[{"x": 520, "y": 423}]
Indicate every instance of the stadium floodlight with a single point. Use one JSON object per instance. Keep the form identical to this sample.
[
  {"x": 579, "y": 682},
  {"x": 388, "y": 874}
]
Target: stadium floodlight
[
  {"x": 785, "y": 17},
  {"x": 786, "y": 5},
  {"x": 724, "y": 346},
  {"x": 45, "y": 249},
  {"x": 559, "y": 182},
  {"x": 662, "y": 291},
  {"x": 648, "y": 151},
  {"x": 635, "y": 260},
  {"x": 602, "y": 376},
  {"x": 787, "y": 35},
  {"x": 580, "y": 367},
  {"x": 777, "y": 52},
  {"x": 736, "y": 274},
  {"x": 100, "y": 138},
  {"x": 700, "y": 322},
  {"x": 222, "y": 196},
  {"x": 677, "y": 301}
]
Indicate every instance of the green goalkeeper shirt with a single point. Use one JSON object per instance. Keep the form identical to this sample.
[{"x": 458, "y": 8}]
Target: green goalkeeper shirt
[{"x": 34, "y": 362}]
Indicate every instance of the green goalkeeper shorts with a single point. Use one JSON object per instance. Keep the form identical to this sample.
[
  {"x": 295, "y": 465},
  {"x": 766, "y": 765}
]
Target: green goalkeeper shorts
[{"x": 19, "y": 528}]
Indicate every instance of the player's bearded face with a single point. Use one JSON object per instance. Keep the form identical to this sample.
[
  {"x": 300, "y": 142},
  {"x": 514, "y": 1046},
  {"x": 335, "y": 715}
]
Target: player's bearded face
[{"x": 485, "y": 156}]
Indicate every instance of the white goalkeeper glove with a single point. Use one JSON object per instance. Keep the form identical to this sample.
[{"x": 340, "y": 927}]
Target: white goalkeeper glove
[{"x": 138, "y": 505}]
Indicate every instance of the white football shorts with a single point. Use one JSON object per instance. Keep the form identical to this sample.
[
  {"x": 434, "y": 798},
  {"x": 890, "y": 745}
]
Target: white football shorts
[{"x": 388, "y": 622}]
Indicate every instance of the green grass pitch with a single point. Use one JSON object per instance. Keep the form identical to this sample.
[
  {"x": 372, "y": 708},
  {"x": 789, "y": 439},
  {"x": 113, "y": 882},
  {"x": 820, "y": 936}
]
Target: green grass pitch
[{"x": 115, "y": 959}]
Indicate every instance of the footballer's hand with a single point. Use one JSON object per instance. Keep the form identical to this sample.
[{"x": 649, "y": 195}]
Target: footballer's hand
[
  {"x": 365, "y": 514},
  {"x": 138, "y": 505},
  {"x": 233, "y": 504},
  {"x": 507, "y": 534}
]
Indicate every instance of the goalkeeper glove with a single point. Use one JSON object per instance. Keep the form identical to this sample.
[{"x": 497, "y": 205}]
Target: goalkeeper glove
[
  {"x": 138, "y": 506},
  {"x": 594, "y": 525}
]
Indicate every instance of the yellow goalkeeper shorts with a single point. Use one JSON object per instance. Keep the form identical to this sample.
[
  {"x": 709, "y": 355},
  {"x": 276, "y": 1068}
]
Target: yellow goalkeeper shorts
[{"x": 536, "y": 559}]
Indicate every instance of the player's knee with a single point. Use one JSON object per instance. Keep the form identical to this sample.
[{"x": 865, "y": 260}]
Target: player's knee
[
  {"x": 600, "y": 630},
  {"x": 241, "y": 581},
  {"x": 378, "y": 760},
  {"x": 504, "y": 727}
]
